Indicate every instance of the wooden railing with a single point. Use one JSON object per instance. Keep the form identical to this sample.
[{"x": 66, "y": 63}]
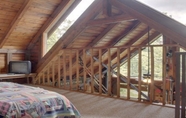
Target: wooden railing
[{"x": 82, "y": 70}]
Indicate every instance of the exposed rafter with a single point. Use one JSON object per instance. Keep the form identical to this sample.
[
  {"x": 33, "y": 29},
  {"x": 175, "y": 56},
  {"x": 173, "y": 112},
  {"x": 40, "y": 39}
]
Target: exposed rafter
[
  {"x": 107, "y": 8},
  {"x": 109, "y": 20},
  {"x": 169, "y": 27},
  {"x": 15, "y": 21},
  {"x": 50, "y": 21}
]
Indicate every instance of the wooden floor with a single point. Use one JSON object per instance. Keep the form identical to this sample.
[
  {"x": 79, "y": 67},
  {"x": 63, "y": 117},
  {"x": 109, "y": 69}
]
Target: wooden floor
[{"x": 92, "y": 106}]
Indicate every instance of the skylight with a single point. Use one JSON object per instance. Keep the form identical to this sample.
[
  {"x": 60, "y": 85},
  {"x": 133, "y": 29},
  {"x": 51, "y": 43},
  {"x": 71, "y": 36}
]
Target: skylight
[{"x": 65, "y": 25}]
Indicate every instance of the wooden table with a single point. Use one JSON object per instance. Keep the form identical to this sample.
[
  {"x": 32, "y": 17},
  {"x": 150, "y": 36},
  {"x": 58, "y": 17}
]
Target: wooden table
[{"x": 14, "y": 76}]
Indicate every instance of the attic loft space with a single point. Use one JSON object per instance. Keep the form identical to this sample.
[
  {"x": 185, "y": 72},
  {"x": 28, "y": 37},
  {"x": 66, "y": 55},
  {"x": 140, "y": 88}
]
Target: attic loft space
[{"x": 68, "y": 22}]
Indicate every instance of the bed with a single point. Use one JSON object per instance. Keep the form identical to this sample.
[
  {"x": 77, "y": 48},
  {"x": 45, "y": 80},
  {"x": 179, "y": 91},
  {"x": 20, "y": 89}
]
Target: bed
[{"x": 22, "y": 101}]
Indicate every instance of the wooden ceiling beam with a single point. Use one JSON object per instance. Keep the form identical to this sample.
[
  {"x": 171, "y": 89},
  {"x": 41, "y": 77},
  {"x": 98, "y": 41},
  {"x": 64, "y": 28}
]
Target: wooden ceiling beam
[
  {"x": 162, "y": 23},
  {"x": 109, "y": 20},
  {"x": 15, "y": 21},
  {"x": 107, "y": 8},
  {"x": 62, "y": 7}
]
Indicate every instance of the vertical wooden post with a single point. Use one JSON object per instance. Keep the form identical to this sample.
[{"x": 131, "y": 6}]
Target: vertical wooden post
[
  {"x": 9, "y": 58},
  {"x": 128, "y": 74},
  {"x": 70, "y": 69},
  {"x": 164, "y": 75},
  {"x": 43, "y": 77},
  {"x": 109, "y": 72},
  {"x": 118, "y": 72},
  {"x": 92, "y": 71},
  {"x": 59, "y": 71},
  {"x": 77, "y": 69},
  {"x": 139, "y": 76},
  {"x": 84, "y": 69},
  {"x": 64, "y": 68},
  {"x": 43, "y": 44},
  {"x": 39, "y": 80},
  {"x": 100, "y": 71},
  {"x": 53, "y": 73},
  {"x": 177, "y": 86},
  {"x": 152, "y": 75},
  {"x": 48, "y": 72},
  {"x": 183, "y": 86}
]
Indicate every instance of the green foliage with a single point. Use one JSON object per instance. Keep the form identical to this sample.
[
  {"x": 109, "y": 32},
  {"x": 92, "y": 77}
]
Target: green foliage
[
  {"x": 58, "y": 33},
  {"x": 144, "y": 66}
]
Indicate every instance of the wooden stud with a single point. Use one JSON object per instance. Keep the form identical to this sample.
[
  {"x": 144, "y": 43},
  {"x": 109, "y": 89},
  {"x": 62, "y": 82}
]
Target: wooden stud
[
  {"x": 9, "y": 58},
  {"x": 48, "y": 75},
  {"x": 43, "y": 77},
  {"x": 109, "y": 73},
  {"x": 164, "y": 75},
  {"x": 100, "y": 71},
  {"x": 92, "y": 71},
  {"x": 59, "y": 71},
  {"x": 84, "y": 68},
  {"x": 53, "y": 73},
  {"x": 43, "y": 44},
  {"x": 177, "y": 86},
  {"x": 139, "y": 76},
  {"x": 70, "y": 69},
  {"x": 128, "y": 74},
  {"x": 39, "y": 80},
  {"x": 118, "y": 72},
  {"x": 64, "y": 69},
  {"x": 152, "y": 75},
  {"x": 77, "y": 69},
  {"x": 183, "y": 86}
]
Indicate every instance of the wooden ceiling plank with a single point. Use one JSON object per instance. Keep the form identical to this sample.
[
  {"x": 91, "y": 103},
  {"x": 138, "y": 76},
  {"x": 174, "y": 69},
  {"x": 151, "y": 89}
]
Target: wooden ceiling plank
[
  {"x": 99, "y": 37},
  {"x": 109, "y": 20},
  {"x": 49, "y": 22},
  {"x": 15, "y": 21},
  {"x": 169, "y": 27},
  {"x": 124, "y": 34}
]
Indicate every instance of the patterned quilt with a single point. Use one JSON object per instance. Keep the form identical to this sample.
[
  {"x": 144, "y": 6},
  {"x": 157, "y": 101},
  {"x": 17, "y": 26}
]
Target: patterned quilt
[{"x": 21, "y": 101}]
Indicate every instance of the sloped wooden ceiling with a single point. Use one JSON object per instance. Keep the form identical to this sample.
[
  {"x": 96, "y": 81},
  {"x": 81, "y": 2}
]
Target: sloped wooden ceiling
[
  {"x": 102, "y": 25},
  {"x": 23, "y": 21}
]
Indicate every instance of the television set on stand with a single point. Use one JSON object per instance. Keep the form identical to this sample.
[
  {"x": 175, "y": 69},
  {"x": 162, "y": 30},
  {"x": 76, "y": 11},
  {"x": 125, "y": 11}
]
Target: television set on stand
[{"x": 20, "y": 67}]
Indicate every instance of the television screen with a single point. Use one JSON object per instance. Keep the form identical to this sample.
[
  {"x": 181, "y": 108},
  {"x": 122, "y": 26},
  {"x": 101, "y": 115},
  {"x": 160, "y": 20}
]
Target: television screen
[{"x": 20, "y": 67}]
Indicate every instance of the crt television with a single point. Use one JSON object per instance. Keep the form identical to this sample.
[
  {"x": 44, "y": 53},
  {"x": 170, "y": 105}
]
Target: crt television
[{"x": 20, "y": 67}]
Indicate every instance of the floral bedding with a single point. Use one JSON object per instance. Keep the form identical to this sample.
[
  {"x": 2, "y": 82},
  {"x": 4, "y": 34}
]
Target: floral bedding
[{"x": 21, "y": 101}]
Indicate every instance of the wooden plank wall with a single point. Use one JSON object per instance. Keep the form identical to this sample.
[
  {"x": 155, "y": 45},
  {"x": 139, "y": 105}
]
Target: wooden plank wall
[{"x": 6, "y": 56}]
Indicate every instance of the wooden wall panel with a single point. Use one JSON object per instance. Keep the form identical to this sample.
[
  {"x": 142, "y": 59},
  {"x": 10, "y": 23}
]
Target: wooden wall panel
[
  {"x": 3, "y": 68},
  {"x": 18, "y": 57}
]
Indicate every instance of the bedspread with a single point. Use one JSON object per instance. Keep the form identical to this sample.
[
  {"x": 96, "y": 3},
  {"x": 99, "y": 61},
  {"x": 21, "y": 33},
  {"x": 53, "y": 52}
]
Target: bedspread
[{"x": 18, "y": 101}]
